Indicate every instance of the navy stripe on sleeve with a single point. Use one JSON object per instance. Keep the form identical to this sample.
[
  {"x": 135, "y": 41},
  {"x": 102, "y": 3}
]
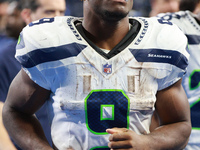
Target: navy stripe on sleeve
[
  {"x": 160, "y": 56},
  {"x": 39, "y": 56},
  {"x": 193, "y": 39}
]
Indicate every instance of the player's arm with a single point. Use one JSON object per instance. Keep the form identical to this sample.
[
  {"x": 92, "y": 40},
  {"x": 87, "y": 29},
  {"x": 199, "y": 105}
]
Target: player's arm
[
  {"x": 24, "y": 98},
  {"x": 5, "y": 142},
  {"x": 174, "y": 113}
]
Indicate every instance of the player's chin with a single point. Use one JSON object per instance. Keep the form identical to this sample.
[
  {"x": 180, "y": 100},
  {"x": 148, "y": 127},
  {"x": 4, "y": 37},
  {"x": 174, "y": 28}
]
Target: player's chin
[{"x": 115, "y": 15}]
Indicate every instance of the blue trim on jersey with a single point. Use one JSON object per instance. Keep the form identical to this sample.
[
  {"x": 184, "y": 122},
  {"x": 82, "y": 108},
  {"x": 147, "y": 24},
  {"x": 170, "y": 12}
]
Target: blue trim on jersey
[
  {"x": 41, "y": 21},
  {"x": 160, "y": 56},
  {"x": 39, "y": 56},
  {"x": 20, "y": 44},
  {"x": 193, "y": 39}
]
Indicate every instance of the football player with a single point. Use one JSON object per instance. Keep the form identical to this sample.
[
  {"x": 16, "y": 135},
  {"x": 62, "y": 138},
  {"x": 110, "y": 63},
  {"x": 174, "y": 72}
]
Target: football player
[{"x": 102, "y": 76}]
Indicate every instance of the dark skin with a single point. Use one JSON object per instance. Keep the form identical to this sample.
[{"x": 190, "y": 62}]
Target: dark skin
[
  {"x": 104, "y": 31},
  {"x": 174, "y": 117},
  {"x": 21, "y": 109},
  {"x": 25, "y": 97}
]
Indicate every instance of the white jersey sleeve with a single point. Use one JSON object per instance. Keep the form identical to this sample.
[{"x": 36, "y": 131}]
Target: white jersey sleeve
[
  {"x": 165, "y": 49},
  {"x": 173, "y": 38},
  {"x": 42, "y": 41},
  {"x": 31, "y": 40}
]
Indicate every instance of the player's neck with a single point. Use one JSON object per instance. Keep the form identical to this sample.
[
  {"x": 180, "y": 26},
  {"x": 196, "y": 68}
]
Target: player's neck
[{"x": 104, "y": 34}]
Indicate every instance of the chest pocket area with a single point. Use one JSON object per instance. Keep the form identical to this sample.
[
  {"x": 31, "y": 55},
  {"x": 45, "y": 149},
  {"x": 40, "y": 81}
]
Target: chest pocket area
[{"x": 142, "y": 88}]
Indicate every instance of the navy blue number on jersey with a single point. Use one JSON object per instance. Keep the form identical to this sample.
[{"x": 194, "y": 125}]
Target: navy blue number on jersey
[
  {"x": 164, "y": 22},
  {"x": 169, "y": 16},
  {"x": 166, "y": 18},
  {"x": 194, "y": 80},
  {"x": 106, "y": 109},
  {"x": 194, "y": 83},
  {"x": 41, "y": 21},
  {"x": 195, "y": 115}
]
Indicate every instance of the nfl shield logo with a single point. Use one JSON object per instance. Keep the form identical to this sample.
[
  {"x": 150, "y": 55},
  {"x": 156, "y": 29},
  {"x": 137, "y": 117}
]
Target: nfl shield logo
[{"x": 107, "y": 69}]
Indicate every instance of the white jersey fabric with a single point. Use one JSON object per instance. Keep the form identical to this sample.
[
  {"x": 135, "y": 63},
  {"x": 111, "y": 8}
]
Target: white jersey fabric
[
  {"x": 191, "y": 81},
  {"x": 92, "y": 90}
]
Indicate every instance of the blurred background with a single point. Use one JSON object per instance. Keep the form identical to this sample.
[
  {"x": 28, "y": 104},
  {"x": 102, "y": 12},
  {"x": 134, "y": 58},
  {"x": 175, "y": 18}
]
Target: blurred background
[{"x": 140, "y": 8}]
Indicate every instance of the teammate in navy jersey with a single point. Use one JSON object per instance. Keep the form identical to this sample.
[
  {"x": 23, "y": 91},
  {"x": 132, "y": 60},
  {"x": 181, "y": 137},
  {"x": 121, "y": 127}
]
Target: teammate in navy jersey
[
  {"x": 189, "y": 23},
  {"x": 102, "y": 76}
]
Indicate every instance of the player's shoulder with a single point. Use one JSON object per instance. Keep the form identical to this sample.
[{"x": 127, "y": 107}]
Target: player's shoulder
[
  {"x": 48, "y": 32},
  {"x": 173, "y": 15},
  {"x": 164, "y": 33},
  {"x": 155, "y": 23},
  {"x": 47, "y": 25},
  {"x": 183, "y": 19}
]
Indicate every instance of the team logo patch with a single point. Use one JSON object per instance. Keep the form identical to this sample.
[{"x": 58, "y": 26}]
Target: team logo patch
[{"x": 107, "y": 69}]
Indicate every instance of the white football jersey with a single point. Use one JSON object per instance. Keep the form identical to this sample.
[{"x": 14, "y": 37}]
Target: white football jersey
[
  {"x": 92, "y": 90},
  {"x": 191, "y": 81}
]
